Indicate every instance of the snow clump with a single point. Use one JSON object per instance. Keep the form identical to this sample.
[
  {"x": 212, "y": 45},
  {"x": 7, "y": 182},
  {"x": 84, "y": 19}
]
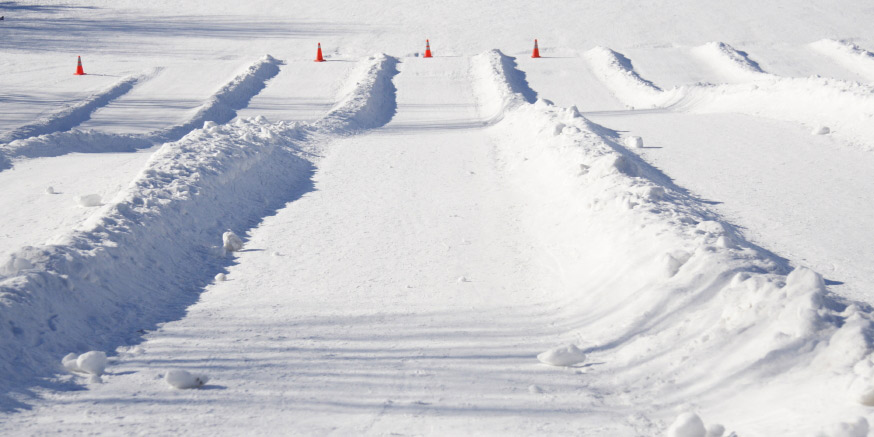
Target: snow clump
[
  {"x": 88, "y": 200},
  {"x": 182, "y": 379},
  {"x": 821, "y": 130},
  {"x": 687, "y": 425},
  {"x": 221, "y": 277},
  {"x": 93, "y": 362},
  {"x": 567, "y": 355},
  {"x": 50, "y": 190},
  {"x": 232, "y": 243},
  {"x": 634, "y": 142}
]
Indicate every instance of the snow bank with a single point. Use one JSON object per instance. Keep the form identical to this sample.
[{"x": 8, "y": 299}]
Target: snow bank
[
  {"x": 730, "y": 62},
  {"x": 143, "y": 260},
  {"x": 220, "y": 108},
  {"x": 851, "y": 56},
  {"x": 496, "y": 97},
  {"x": 74, "y": 115},
  {"x": 367, "y": 100},
  {"x": 618, "y": 74},
  {"x": 846, "y": 107},
  {"x": 679, "y": 307}
]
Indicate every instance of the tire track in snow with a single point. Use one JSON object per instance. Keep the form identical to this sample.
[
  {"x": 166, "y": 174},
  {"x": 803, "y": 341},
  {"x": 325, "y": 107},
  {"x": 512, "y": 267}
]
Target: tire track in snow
[
  {"x": 144, "y": 260},
  {"x": 220, "y": 108}
]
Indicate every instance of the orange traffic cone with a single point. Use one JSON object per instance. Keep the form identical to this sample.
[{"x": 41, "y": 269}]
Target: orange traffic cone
[
  {"x": 427, "y": 48},
  {"x": 319, "y": 57},
  {"x": 536, "y": 53},
  {"x": 79, "y": 70}
]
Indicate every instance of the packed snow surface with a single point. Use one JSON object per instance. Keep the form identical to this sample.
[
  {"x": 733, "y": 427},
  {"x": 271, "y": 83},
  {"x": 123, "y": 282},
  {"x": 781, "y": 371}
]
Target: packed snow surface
[{"x": 421, "y": 233}]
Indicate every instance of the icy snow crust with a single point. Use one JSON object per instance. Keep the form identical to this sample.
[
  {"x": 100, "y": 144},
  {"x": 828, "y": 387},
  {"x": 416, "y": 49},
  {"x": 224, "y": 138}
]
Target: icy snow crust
[
  {"x": 712, "y": 319},
  {"x": 145, "y": 259}
]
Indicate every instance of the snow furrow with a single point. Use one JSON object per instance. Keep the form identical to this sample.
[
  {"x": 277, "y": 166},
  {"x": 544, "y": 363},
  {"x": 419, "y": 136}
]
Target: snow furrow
[
  {"x": 144, "y": 259},
  {"x": 74, "y": 115},
  {"x": 845, "y": 108},
  {"x": 672, "y": 301},
  {"x": 220, "y": 108},
  {"x": 849, "y": 55}
]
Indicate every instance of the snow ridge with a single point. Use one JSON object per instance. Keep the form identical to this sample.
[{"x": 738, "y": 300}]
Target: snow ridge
[
  {"x": 617, "y": 72},
  {"x": 220, "y": 108},
  {"x": 676, "y": 304},
  {"x": 144, "y": 259},
  {"x": 74, "y": 115},
  {"x": 497, "y": 97},
  {"x": 847, "y": 108},
  {"x": 367, "y": 103},
  {"x": 850, "y": 55},
  {"x": 732, "y": 63}
]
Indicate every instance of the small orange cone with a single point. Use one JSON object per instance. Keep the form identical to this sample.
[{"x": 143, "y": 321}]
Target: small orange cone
[
  {"x": 427, "y": 48},
  {"x": 79, "y": 70},
  {"x": 319, "y": 57},
  {"x": 536, "y": 53}
]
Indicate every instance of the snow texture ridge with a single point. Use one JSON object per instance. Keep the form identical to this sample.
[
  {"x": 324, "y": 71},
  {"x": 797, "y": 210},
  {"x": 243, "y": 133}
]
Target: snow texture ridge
[
  {"x": 220, "y": 108},
  {"x": 709, "y": 321},
  {"x": 144, "y": 259}
]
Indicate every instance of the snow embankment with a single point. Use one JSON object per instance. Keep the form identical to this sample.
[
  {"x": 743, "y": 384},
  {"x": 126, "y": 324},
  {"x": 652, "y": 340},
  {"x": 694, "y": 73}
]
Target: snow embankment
[
  {"x": 846, "y": 108},
  {"x": 366, "y": 103},
  {"x": 145, "y": 258},
  {"x": 220, "y": 108},
  {"x": 849, "y": 55},
  {"x": 732, "y": 64},
  {"x": 617, "y": 72},
  {"x": 675, "y": 306},
  {"x": 73, "y": 115}
]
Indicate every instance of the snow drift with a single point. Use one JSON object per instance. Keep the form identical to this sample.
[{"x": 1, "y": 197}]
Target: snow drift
[
  {"x": 677, "y": 306},
  {"x": 146, "y": 258},
  {"x": 850, "y": 55}
]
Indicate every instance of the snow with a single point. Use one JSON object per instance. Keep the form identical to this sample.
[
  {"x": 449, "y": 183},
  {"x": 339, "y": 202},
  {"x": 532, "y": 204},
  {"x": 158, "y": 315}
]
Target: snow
[
  {"x": 182, "y": 379},
  {"x": 231, "y": 242},
  {"x": 687, "y": 425},
  {"x": 419, "y": 231},
  {"x": 88, "y": 200},
  {"x": 567, "y": 355}
]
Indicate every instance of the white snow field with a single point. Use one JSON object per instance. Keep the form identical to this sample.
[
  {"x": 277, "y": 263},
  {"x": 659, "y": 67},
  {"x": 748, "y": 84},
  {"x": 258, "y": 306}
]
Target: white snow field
[{"x": 472, "y": 244}]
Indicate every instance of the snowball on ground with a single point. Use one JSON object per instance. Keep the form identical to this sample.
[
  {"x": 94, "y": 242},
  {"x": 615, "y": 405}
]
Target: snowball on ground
[
  {"x": 220, "y": 277},
  {"x": 634, "y": 142},
  {"x": 50, "y": 190},
  {"x": 183, "y": 379},
  {"x": 231, "y": 241},
  {"x": 687, "y": 425},
  {"x": 69, "y": 362},
  {"x": 567, "y": 355},
  {"x": 93, "y": 362},
  {"x": 88, "y": 200},
  {"x": 821, "y": 130}
]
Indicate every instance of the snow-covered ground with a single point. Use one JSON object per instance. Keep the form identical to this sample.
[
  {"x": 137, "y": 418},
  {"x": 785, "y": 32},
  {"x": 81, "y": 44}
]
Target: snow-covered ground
[{"x": 422, "y": 237}]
